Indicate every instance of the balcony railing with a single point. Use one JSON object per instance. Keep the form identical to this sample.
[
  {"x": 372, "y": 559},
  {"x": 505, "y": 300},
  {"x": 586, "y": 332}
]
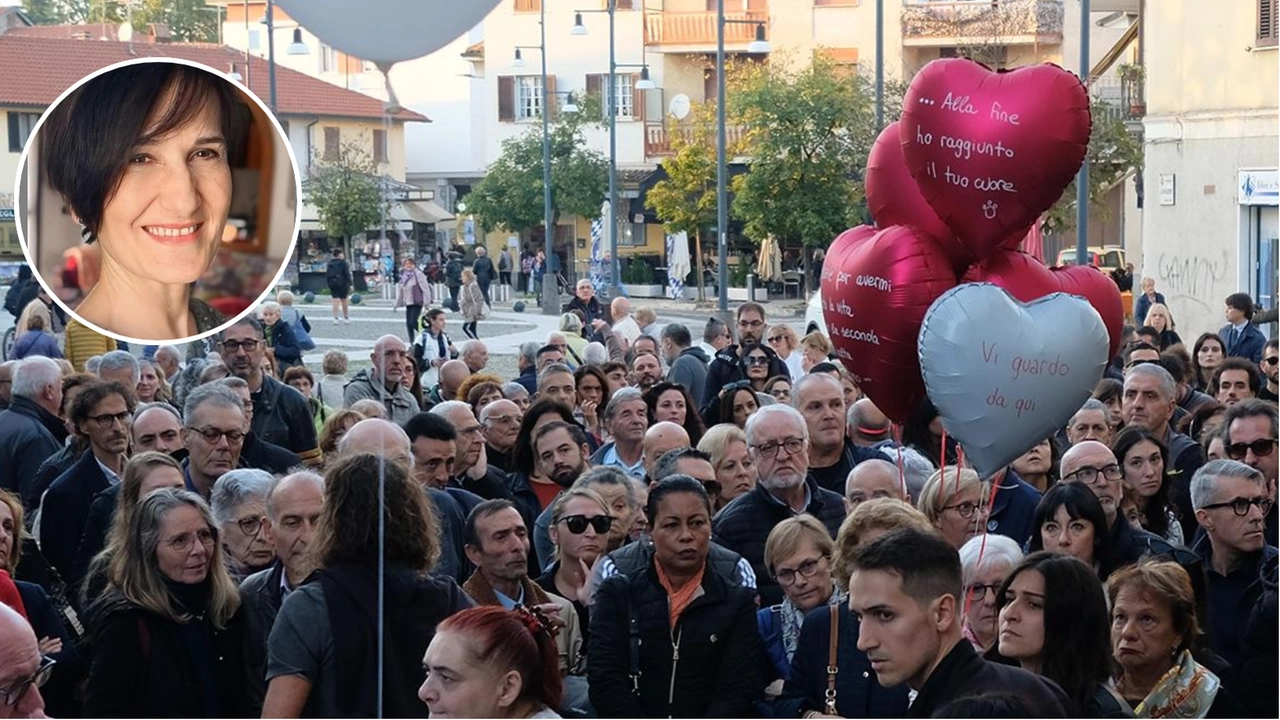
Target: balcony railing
[
  {"x": 966, "y": 22},
  {"x": 699, "y": 28},
  {"x": 657, "y": 138},
  {"x": 1125, "y": 100}
]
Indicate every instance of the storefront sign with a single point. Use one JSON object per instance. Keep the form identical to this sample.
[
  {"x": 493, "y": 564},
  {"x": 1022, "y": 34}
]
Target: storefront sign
[{"x": 1259, "y": 187}]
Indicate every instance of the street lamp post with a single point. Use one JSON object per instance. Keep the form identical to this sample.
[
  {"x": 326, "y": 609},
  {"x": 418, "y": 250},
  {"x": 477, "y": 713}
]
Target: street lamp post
[
  {"x": 611, "y": 101},
  {"x": 550, "y": 293},
  {"x": 759, "y": 45}
]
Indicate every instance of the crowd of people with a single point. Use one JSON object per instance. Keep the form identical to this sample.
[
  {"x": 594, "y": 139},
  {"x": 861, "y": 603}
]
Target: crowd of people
[{"x": 636, "y": 525}]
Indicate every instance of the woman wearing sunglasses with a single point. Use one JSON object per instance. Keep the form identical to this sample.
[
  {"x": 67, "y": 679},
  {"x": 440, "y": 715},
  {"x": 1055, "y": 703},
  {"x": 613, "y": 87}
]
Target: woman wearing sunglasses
[
  {"x": 756, "y": 363},
  {"x": 784, "y": 342},
  {"x": 580, "y": 523}
]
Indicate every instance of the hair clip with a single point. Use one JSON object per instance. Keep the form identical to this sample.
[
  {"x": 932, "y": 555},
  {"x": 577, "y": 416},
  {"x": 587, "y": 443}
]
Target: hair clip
[{"x": 536, "y": 621}]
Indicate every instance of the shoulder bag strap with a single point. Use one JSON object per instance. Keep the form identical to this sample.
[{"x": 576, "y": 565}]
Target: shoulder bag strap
[
  {"x": 634, "y": 655},
  {"x": 832, "y": 667}
]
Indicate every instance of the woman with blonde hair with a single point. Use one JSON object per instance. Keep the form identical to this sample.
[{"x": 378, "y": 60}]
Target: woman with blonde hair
[
  {"x": 580, "y": 524},
  {"x": 816, "y": 348},
  {"x": 735, "y": 470},
  {"x": 797, "y": 554},
  {"x": 334, "y": 428},
  {"x": 165, "y": 637},
  {"x": 783, "y": 340},
  {"x": 472, "y": 304},
  {"x": 575, "y": 341},
  {"x": 1161, "y": 320},
  {"x": 955, "y": 501},
  {"x": 152, "y": 386}
]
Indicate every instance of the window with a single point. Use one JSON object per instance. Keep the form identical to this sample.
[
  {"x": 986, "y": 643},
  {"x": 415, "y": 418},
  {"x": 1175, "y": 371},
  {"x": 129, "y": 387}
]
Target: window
[
  {"x": 528, "y": 97},
  {"x": 255, "y": 40},
  {"x": 624, "y": 95},
  {"x": 328, "y": 59},
  {"x": 631, "y": 235},
  {"x": 380, "y": 146},
  {"x": 528, "y": 5},
  {"x": 1268, "y": 23},
  {"x": 332, "y": 142},
  {"x": 630, "y": 101},
  {"x": 20, "y": 125}
]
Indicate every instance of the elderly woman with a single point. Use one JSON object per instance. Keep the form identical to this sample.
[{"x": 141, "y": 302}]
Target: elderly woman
[
  {"x": 784, "y": 342},
  {"x": 956, "y": 501},
  {"x": 985, "y": 562},
  {"x": 815, "y": 348},
  {"x": 1145, "y": 300},
  {"x": 481, "y": 395},
  {"x": 282, "y": 343},
  {"x": 472, "y": 304},
  {"x": 797, "y": 555},
  {"x": 649, "y": 652},
  {"x": 1155, "y": 635},
  {"x": 1069, "y": 520},
  {"x": 239, "y": 502},
  {"x": 575, "y": 340},
  {"x": 1161, "y": 320},
  {"x": 328, "y": 670},
  {"x": 490, "y": 662},
  {"x": 853, "y": 692},
  {"x": 735, "y": 470},
  {"x": 334, "y": 428},
  {"x": 165, "y": 636},
  {"x": 1053, "y": 622}
]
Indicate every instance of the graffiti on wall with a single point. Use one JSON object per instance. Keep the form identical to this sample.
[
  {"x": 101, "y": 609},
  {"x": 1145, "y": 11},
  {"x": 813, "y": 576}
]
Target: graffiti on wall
[{"x": 1192, "y": 277}]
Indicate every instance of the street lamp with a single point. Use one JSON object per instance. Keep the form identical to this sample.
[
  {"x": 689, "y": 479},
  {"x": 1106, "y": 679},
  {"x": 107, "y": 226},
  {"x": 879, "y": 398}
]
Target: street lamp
[
  {"x": 297, "y": 47},
  {"x": 550, "y": 291},
  {"x": 759, "y": 45}
]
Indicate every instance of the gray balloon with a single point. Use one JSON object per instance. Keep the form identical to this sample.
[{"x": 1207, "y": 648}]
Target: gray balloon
[
  {"x": 1005, "y": 375},
  {"x": 387, "y": 31}
]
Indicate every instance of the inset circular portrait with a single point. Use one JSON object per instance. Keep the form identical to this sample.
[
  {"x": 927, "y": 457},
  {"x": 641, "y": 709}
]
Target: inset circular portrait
[{"x": 157, "y": 201}]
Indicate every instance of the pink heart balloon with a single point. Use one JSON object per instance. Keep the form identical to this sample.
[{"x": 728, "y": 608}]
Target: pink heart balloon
[
  {"x": 991, "y": 151},
  {"x": 875, "y": 293},
  {"x": 894, "y": 198},
  {"x": 1101, "y": 292},
  {"x": 1017, "y": 272}
]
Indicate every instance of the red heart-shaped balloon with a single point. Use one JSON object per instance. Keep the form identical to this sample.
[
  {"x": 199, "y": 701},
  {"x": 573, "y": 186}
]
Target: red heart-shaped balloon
[
  {"x": 991, "y": 151},
  {"x": 875, "y": 293},
  {"x": 1027, "y": 279},
  {"x": 894, "y": 198}
]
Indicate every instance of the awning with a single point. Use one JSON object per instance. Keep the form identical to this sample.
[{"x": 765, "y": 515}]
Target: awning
[{"x": 423, "y": 211}]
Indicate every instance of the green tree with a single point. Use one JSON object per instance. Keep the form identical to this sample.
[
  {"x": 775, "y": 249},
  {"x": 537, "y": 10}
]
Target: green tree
[
  {"x": 510, "y": 197},
  {"x": 809, "y": 132},
  {"x": 1114, "y": 151},
  {"x": 686, "y": 200},
  {"x": 345, "y": 193},
  {"x": 188, "y": 20}
]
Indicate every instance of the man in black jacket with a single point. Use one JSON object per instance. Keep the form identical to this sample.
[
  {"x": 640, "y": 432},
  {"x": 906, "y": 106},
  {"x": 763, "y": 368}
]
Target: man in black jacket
[
  {"x": 906, "y": 592},
  {"x": 726, "y": 366},
  {"x": 483, "y": 268},
  {"x": 778, "y": 440},
  {"x": 293, "y": 509},
  {"x": 257, "y": 453},
  {"x": 30, "y": 430}
]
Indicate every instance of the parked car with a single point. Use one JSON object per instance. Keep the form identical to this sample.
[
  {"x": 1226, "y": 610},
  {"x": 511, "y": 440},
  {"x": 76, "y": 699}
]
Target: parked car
[
  {"x": 1106, "y": 258},
  {"x": 813, "y": 319}
]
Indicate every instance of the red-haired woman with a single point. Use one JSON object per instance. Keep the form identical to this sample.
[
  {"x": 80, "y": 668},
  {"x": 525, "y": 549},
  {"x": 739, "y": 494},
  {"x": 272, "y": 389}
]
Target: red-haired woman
[{"x": 495, "y": 663}]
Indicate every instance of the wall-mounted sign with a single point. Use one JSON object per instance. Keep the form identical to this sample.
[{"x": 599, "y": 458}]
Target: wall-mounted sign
[
  {"x": 1168, "y": 187},
  {"x": 1259, "y": 187}
]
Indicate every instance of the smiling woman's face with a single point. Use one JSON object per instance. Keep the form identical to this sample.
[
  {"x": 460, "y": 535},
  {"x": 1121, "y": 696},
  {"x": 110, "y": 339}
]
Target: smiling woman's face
[{"x": 164, "y": 222}]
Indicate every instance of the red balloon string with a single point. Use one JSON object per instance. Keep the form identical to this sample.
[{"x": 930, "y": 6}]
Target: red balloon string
[
  {"x": 942, "y": 453},
  {"x": 982, "y": 549}
]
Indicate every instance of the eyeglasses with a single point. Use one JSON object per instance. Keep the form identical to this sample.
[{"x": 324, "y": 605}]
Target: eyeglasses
[
  {"x": 978, "y": 591},
  {"x": 750, "y": 323},
  {"x": 504, "y": 419},
  {"x": 755, "y": 360},
  {"x": 250, "y": 525},
  {"x": 1089, "y": 475},
  {"x": 107, "y": 420},
  {"x": 770, "y": 449},
  {"x": 777, "y": 338},
  {"x": 1271, "y": 360},
  {"x": 805, "y": 570},
  {"x": 475, "y": 430},
  {"x": 966, "y": 510},
  {"x": 233, "y": 346},
  {"x": 184, "y": 542},
  {"x": 1240, "y": 506},
  {"x": 1261, "y": 447},
  {"x": 212, "y": 434},
  {"x": 14, "y": 693},
  {"x": 577, "y": 524}
]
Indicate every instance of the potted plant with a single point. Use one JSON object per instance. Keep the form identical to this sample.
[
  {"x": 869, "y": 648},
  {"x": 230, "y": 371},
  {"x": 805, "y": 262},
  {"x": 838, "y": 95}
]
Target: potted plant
[
  {"x": 638, "y": 279},
  {"x": 1132, "y": 79},
  {"x": 738, "y": 281}
]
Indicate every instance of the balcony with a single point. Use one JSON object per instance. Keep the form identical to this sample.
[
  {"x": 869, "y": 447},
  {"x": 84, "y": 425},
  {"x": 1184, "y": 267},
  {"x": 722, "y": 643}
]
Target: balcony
[
  {"x": 696, "y": 31},
  {"x": 658, "y": 137},
  {"x": 1124, "y": 99},
  {"x": 981, "y": 22}
]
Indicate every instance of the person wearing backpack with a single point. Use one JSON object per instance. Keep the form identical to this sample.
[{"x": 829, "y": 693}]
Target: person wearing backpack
[
  {"x": 338, "y": 276},
  {"x": 296, "y": 320},
  {"x": 453, "y": 278}
]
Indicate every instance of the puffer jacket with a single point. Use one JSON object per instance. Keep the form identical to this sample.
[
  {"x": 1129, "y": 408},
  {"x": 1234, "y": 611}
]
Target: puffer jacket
[{"x": 709, "y": 665}]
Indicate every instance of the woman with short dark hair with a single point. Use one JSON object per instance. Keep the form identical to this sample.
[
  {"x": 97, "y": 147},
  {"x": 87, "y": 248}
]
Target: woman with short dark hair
[{"x": 1069, "y": 520}]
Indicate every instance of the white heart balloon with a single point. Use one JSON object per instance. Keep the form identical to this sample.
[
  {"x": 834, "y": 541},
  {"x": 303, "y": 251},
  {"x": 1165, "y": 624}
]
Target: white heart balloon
[
  {"x": 387, "y": 31},
  {"x": 1003, "y": 374}
]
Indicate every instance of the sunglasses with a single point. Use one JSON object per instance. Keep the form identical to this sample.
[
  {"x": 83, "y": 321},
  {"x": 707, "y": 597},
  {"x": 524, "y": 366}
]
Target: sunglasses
[
  {"x": 756, "y": 360},
  {"x": 776, "y": 338},
  {"x": 577, "y": 524},
  {"x": 1261, "y": 447},
  {"x": 1271, "y": 360}
]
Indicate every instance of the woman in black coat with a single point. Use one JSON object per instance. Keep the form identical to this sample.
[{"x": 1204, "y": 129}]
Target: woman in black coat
[
  {"x": 674, "y": 640},
  {"x": 165, "y": 636}
]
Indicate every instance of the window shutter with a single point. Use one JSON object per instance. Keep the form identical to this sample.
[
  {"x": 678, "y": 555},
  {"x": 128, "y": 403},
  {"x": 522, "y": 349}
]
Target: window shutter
[
  {"x": 1268, "y": 31},
  {"x": 332, "y": 143},
  {"x": 595, "y": 86},
  {"x": 553, "y": 100},
  {"x": 621, "y": 4},
  {"x": 637, "y": 98},
  {"x": 506, "y": 98},
  {"x": 15, "y": 133}
]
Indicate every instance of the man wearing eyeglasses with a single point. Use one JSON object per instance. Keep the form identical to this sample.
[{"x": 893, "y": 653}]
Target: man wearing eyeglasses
[
  {"x": 102, "y": 414},
  {"x": 501, "y": 421},
  {"x": 729, "y": 364},
  {"x": 281, "y": 415},
  {"x": 22, "y": 668},
  {"x": 1249, "y": 436},
  {"x": 255, "y": 452},
  {"x": 1270, "y": 367},
  {"x": 471, "y": 470},
  {"x": 778, "y": 440},
  {"x": 1231, "y": 502},
  {"x": 214, "y": 437},
  {"x": 1148, "y": 400}
]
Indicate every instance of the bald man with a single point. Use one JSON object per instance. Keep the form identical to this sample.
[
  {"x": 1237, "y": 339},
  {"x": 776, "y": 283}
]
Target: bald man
[
  {"x": 501, "y": 421},
  {"x": 452, "y": 374},
  {"x": 659, "y": 439},
  {"x": 872, "y": 479},
  {"x": 471, "y": 469},
  {"x": 1093, "y": 465},
  {"x": 381, "y": 381},
  {"x": 20, "y": 661},
  {"x": 868, "y": 426},
  {"x": 389, "y": 441},
  {"x": 624, "y": 326}
]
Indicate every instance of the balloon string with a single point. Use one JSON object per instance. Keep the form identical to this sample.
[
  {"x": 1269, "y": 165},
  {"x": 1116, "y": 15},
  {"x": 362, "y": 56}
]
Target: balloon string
[
  {"x": 982, "y": 548},
  {"x": 959, "y": 464},
  {"x": 942, "y": 453}
]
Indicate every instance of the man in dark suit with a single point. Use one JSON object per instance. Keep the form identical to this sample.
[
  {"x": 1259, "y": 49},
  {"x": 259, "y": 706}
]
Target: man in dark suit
[
  {"x": 1242, "y": 337},
  {"x": 102, "y": 415}
]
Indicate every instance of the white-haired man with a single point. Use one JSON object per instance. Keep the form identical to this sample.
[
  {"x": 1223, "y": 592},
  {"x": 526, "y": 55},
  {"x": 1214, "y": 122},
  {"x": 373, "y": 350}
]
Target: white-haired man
[{"x": 30, "y": 430}]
